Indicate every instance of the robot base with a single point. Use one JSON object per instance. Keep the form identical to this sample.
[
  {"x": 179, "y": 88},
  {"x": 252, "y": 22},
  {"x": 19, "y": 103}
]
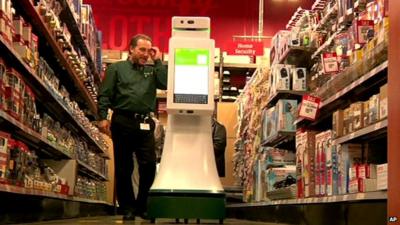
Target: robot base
[{"x": 186, "y": 205}]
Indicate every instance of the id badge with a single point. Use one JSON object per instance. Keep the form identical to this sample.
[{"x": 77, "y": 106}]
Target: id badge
[{"x": 144, "y": 126}]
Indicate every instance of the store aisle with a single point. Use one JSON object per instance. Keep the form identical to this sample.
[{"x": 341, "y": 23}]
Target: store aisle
[{"x": 117, "y": 220}]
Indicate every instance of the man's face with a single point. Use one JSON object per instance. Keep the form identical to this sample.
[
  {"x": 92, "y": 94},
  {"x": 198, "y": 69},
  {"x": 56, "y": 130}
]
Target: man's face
[{"x": 140, "y": 54}]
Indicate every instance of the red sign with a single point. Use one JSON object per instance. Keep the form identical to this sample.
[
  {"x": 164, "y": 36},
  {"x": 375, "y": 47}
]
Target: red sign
[
  {"x": 245, "y": 48},
  {"x": 309, "y": 107}
]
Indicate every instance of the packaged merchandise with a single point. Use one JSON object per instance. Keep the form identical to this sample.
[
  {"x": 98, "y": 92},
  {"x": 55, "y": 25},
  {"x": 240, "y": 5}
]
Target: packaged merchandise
[
  {"x": 269, "y": 123},
  {"x": 373, "y": 109},
  {"x": 286, "y": 113},
  {"x": 299, "y": 79},
  {"x": 348, "y": 155},
  {"x": 337, "y": 124},
  {"x": 362, "y": 30},
  {"x": 277, "y": 176},
  {"x": 4, "y": 138},
  {"x": 305, "y": 163},
  {"x": 382, "y": 176},
  {"x": 357, "y": 110},
  {"x": 368, "y": 185},
  {"x": 366, "y": 113},
  {"x": 383, "y": 102},
  {"x": 347, "y": 121},
  {"x": 279, "y": 156},
  {"x": 282, "y": 77},
  {"x": 3, "y": 81}
]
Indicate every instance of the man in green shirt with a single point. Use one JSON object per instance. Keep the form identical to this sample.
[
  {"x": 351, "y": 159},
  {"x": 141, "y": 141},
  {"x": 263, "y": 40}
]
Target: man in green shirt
[{"x": 129, "y": 89}]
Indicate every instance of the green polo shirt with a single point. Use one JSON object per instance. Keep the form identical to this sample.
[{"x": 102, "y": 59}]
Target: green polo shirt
[{"x": 131, "y": 87}]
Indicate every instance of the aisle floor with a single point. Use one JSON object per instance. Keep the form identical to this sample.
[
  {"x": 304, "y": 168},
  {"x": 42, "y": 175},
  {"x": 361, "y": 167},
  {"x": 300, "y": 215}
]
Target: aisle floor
[{"x": 108, "y": 220}]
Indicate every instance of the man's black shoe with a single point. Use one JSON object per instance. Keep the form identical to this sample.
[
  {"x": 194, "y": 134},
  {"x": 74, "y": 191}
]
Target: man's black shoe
[
  {"x": 143, "y": 215},
  {"x": 129, "y": 216}
]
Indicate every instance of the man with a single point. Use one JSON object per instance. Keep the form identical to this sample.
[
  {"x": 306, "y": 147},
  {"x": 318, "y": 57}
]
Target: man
[
  {"x": 129, "y": 89},
  {"x": 219, "y": 143}
]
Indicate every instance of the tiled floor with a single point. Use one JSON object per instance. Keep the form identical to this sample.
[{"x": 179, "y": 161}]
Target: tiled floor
[{"x": 117, "y": 220}]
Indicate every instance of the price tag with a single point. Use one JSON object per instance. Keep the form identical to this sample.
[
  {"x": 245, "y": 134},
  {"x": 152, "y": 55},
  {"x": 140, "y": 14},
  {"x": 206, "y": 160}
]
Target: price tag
[
  {"x": 330, "y": 62},
  {"x": 309, "y": 108}
]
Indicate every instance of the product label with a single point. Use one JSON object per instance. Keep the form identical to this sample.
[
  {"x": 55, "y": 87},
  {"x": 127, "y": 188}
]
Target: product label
[
  {"x": 330, "y": 62},
  {"x": 363, "y": 27},
  {"x": 309, "y": 107}
]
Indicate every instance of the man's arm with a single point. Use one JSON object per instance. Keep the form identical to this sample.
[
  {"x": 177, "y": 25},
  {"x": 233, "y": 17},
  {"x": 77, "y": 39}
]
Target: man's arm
[{"x": 105, "y": 95}]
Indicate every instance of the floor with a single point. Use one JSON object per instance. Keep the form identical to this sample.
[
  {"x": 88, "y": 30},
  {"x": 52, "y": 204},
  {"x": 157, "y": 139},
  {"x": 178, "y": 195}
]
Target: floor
[{"x": 118, "y": 220}]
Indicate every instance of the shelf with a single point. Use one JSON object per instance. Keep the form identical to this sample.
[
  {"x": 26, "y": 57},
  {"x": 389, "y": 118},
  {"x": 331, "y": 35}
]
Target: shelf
[
  {"x": 367, "y": 132},
  {"x": 41, "y": 27},
  {"x": 367, "y": 196},
  {"x": 47, "y": 97},
  {"x": 85, "y": 168},
  {"x": 69, "y": 19},
  {"x": 366, "y": 82},
  {"x": 281, "y": 138},
  {"x": 295, "y": 95},
  {"x": 297, "y": 55},
  {"x": 34, "y": 137},
  {"x": 34, "y": 192},
  {"x": 332, "y": 14},
  {"x": 240, "y": 65}
]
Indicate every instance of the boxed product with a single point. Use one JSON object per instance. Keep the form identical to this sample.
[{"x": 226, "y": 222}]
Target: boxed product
[
  {"x": 383, "y": 102},
  {"x": 276, "y": 176},
  {"x": 324, "y": 169},
  {"x": 373, "y": 109},
  {"x": 357, "y": 110},
  {"x": 3, "y": 77},
  {"x": 382, "y": 176},
  {"x": 282, "y": 77},
  {"x": 337, "y": 124},
  {"x": 299, "y": 79},
  {"x": 270, "y": 123},
  {"x": 367, "y": 171},
  {"x": 286, "y": 113},
  {"x": 347, "y": 121},
  {"x": 305, "y": 163},
  {"x": 354, "y": 185},
  {"x": 279, "y": 156},
  {"x": 361, "y": 29},
  {"x": 348, "y": 155},
  {"x": 368, "y": 185},
  {"x": 4, "y": 138},
  {"x": 366, "y": 113},
  {"x": 332, "y": 173}
]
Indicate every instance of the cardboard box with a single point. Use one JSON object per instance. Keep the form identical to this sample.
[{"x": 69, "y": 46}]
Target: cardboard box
[
  {"x": 275, "y": 175},
  {"x": 348, "y": 155},
  {"x": 4, "y": 138},
  {"x": 357, "y": 120},
  {"x": 299, "y": 79},
  {"x": 347, "y": 121},
  {"x": 366, "y": 113},
  {"x": 287, "y": 110},
  {"x": 368, "y": 185},
  {"x": 355, "y": 185},
  {"x": 373, "y": 109},
  {"x": 305, "y": 162},
  {"x": 337, "y": 124},
  {"x": 382, "y": 176},
  {"x": 282, "y": 77},
  {"x": 383, "y": 102},
  {"x": 332, "y": 173}
]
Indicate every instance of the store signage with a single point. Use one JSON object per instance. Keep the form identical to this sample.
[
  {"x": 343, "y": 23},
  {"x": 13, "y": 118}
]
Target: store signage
[
  {"x": 309, "y": 108},
  {"x": 330, "y": 62},
  {"x": 250, "y": 48}
]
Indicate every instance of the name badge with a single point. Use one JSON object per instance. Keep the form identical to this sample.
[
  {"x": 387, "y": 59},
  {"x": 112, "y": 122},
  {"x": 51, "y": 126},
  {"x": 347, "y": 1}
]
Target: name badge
[{"x": 144, "y": 126}]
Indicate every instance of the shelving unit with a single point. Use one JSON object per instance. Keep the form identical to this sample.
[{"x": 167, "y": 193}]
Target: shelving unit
[
  {"x": 40, "y": 25},
  {"x": 34, "y": 192},
  {"x": 295, "y": 95},
  {"x": 88, "y": 170},
  {"x": 297, "y": 55},
  {"x": 279, "y": 139},
  {"x": 368, "y": 132},
  {"x": 43, "y": 93},
  {"x": 367, "y": 196}
]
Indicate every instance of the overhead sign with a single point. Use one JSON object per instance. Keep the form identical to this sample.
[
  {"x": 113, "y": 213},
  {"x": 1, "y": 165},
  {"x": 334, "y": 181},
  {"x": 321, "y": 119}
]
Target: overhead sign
[{"x": 250, "y": 48}]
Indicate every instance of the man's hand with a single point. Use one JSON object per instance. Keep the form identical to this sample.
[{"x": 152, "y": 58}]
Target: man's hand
[
  {"x": 155, "y": 53},
  {"x": 104, "y": 126}
]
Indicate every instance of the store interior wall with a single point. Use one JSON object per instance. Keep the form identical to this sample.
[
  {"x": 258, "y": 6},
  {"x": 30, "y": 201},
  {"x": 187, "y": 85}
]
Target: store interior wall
[{"x": 121, "y": 19}]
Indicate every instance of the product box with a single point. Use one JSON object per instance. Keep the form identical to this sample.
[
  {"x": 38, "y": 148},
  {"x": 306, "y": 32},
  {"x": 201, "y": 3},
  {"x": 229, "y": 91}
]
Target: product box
[
  {"x": 354, "y": 185},
  {"x": 366, "y": 113},
  {"x": 286, "y": 110},
  {"x": 324, "y": 169},
  {"x": 368, "y": 185},
  {"x": 305, "y": 160},
  {"x": 357, "y": 109},
  {"x": 282, "y": 75},
  {"x": 348, "y": 155},
  {"x": 361, "y": 29},
  {"x": 337, "y": 124},
  {"x": 382, "y": 176},
  {"x": 383, "y": 102},
  {"x": 275, "y": 175},
  {"x": 299, "y": 79},
  {"x": 279, "y": 156},
  {"x": 332, "y": 173},
  {"x": 270, "y": 122},
  {"x": 367, "y": 171},
  {"x": 4, "y": 138},
  {"x": 18, "y": 26},
  {"x": 347, "y": 121},
  {"x": 373, "y": 109}
]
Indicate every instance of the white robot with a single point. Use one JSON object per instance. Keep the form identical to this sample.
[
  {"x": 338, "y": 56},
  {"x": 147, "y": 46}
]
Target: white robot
[{"x": 187, "y": 185}]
